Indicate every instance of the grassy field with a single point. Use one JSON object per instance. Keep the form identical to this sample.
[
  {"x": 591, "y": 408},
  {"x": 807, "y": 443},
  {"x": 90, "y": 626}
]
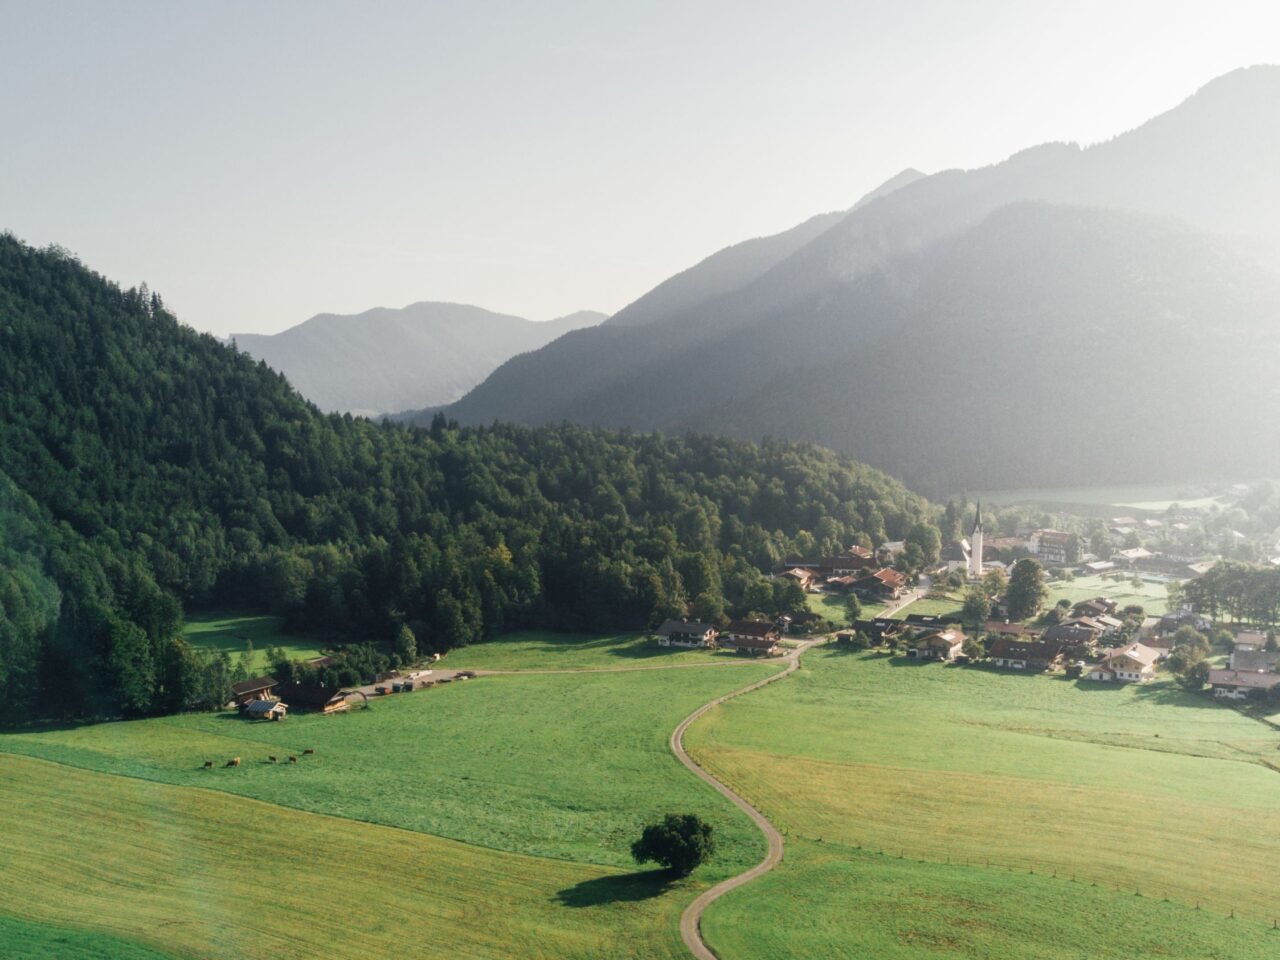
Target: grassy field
[
  {"x": 202, "y": 874},
  {"x": 841, "y": 903},
  {"x": 929, "y": 607},
  {"x": 1139, "y": 786},
  {"x": 1154, "y": 498},
  {"x": 544, "y": 650},
  {"x": 233, "y": 632},
  {"x": 1153, "y": 597},
  {"x": 25, "y": 940},
  {"x": 834, "y": 607},
  {"x": 551, "y": 765}
]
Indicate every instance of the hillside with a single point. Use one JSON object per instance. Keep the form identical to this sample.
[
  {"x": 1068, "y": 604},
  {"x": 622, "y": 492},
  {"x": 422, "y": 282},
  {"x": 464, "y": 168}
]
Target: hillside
[
  {"x": 384, "y": 361},
  {"x": 915, "y": 333},
  {"x": 146, "y": 469}
]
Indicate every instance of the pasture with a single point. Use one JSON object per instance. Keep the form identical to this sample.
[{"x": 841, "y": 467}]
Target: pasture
[
  {"x": 203, "y": 874},
  {"x": 1138, "y": 786},
  {"x": 26, "y": 940},
  {"x": 565, "y": 766},
  {"x": 546, "y": 650},
  {"x": 232, "y": 633},
  {"x": 840, "y": 903},
  {"x": 834, "y": 607},
  {"x": 1152, "y": 597}
]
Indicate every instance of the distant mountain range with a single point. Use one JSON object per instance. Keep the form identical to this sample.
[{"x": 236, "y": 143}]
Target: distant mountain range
[
  {"x": 383, "y": 360},
  {"x": 1069, "y": 315}
]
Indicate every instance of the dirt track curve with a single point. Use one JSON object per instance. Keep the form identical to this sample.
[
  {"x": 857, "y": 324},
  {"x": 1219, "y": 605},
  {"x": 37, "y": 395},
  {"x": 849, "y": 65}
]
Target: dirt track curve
[{"x": 691, "y": 919}]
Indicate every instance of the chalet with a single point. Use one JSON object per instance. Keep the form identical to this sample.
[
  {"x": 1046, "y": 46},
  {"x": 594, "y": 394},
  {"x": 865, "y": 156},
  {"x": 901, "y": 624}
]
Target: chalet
[
  {"x": 1071, "y": 635},
  {"x": 259, "y": 688},
  {"x": 803, "y": 578},
  {"x": 1236, "y": 685},
  {"x": 1133, "y": 663},
  {"x": 1254, "y": 661},
  {"x": 686, "y": 633},
  {"x": 265, "y": 710},
  {"x": 1033, "y": 655},
  {"x": 1097, "y": 607},
  {"x": 1248, "y": 640},
  {"x": 850, "y": 561},
  {"x": 750, "y": 636},
  {"x": 303, "y": 695},
  {"x": 884, "y": 584},
  {"x": 878, "y": 630},
  {"x": 942, "y": 645},
  {"x": 1103, "y": 626},
  {"x": 1051, "y": 547},
  {"x": 1003, "y": 628}
]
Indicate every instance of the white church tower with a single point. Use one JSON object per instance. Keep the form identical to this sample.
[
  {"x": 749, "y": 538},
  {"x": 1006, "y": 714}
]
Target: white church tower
[{"x": 975, "y": 546}]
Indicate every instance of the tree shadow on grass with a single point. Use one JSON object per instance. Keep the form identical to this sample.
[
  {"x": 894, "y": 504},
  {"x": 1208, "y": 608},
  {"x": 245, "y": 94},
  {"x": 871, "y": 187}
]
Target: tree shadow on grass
[{"x": 621, "y": 888}]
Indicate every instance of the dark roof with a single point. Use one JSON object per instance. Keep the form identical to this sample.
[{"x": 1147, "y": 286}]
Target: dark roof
[
  {"x": 752, "y": 628},
  {"x": 307, "y": 695},
  {"x": 1070, "y": 633},
  {"x": 252, "y": 686},
  {"x": 1233, "y": 678},
  {"x": 692, "y": 627},
  {"x": 261, "y": 706},
  {"x": 1252, "y": 661},
  {"x": 1007, "y": 629},
  {"x": 757, "y": 643},
  {"x": 1038, "y": 650}
]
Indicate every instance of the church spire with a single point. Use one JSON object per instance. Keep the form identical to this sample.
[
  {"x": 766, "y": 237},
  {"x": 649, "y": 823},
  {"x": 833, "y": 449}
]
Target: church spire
[{"x": 977, "y": 521}]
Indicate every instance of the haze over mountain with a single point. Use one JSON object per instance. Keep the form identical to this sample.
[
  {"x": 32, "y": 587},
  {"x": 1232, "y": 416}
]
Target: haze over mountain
[
  {"x": 386, "y": 360},
  {"x": 1069, "y": 315}
]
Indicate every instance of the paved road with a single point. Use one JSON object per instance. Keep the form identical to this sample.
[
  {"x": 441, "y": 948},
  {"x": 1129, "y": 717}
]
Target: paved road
[{"x": 691, "y": 919}]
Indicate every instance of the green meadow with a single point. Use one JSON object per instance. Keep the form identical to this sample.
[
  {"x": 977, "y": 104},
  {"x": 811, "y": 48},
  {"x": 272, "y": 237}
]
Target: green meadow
[
  {"x": 1156, "y": 498},
  {"x": 26, "y": 940},
  {"x": 234, "y": 633},
  {"x": 1135, "y": 786},
  {"x": 545, "y": 650}
]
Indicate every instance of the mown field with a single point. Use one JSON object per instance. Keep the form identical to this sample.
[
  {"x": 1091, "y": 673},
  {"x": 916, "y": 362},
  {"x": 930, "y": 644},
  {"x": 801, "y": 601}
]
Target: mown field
[
  {"x": 834, "y": 607},
  {"x": 545, "y": 650},
  {"x": 233, "y": 633},
  {"x": 1152, "y": 597},
  {"x": 197, "y": 873},
  {"x": 26, "y": 940},
  {"x": 840, "y": 903},
  {"x": 564, "y": 766},
  {"x": 1143, "y": 787}
]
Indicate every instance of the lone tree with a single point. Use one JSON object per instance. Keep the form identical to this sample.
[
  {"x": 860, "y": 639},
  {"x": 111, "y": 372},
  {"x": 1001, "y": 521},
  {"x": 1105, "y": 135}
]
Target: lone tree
[
  {"x": 977, "y": 607},
  {"x": 679, "y": 842},
  {"x": 1026, "y": 591}
]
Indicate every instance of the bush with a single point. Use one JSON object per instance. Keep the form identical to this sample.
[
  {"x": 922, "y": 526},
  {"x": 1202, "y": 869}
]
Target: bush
[{"x": 680, "y": 842}]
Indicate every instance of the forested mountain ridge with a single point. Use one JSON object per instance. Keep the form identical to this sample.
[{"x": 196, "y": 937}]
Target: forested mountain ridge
[
  {"x": 145, "y": 468},
  {"x": 386, "y": 361},
  {"x": 789, "y": 352}
]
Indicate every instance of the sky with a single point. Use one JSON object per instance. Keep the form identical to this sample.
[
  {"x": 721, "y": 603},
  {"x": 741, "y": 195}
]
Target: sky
[{"x": 259, "y": 162}]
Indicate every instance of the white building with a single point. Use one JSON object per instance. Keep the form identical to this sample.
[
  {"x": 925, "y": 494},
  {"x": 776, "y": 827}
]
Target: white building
[{"x": 975, "y": 546}]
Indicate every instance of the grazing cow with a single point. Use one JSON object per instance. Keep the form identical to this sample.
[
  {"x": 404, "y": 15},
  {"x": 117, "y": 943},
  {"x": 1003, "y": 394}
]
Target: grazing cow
[
  {"x": 208, "y": 764},
  {"x": 307, "y": 752},
  {"x": 293, "y": 759},
  {"x": 233, "y": 762},
  {"x": 271, "y": 759}
]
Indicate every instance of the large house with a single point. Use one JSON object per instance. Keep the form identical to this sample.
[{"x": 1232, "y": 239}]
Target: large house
[
  {"x": 1254, "y": 661},
  {"x": 883, "y": 584},
  {"x": 313, "y": 697},
  {"x": 750, "y": 636},
  {"x": 940, "y": 645},
  {"x": 1236, "y": 684},
  {"x": 1034, "y": 655},
  {"x": 1072, "y": 635},
  {"x": 803, "y": 577},
  {"x": 1050, "y": 547},
  {"x": 1132, "y": 663},
  {"x": 259, "y": 688},
  {"x": 842, "y": 565},
  {"x": 686, "y": 633}
]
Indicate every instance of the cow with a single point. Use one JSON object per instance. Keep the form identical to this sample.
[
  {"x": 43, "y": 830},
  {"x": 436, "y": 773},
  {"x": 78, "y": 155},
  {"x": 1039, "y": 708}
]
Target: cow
[
  {"x": 271, "y": 759},
  {"x": 233, "y": 762},
  {"x": 308, "y": 752},
  {"x": 208, "y": 764},
  {"x": 293, "y": 759}
]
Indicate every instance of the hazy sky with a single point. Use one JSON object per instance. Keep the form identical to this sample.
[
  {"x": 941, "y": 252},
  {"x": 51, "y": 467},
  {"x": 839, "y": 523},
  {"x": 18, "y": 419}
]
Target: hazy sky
[{"x": 260, "y": 162}]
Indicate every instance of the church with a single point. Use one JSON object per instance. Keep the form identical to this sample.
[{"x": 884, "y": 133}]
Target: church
[{"x": 975, "y": 546}]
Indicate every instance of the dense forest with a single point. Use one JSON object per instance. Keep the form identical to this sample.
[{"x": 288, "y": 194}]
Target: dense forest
[{"x": 146, "y": 469}]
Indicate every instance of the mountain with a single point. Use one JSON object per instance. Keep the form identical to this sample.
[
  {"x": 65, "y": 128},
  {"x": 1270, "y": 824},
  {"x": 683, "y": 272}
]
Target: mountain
[
  {"x": 146, "y": 469},
  {"x": 849, "y": 338},
  {"x": 383, "y": 360}
]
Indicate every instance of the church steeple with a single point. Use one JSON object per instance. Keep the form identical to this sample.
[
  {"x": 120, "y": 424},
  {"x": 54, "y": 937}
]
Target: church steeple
[
  {"x": 977, "y": 520},
  {"x": 975, "y": 546}
]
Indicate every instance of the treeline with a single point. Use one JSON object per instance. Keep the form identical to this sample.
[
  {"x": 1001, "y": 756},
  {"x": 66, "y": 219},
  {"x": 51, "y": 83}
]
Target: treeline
[
  {"x": 147, "y": 469},
  {"x": 1235, "y": 591}
]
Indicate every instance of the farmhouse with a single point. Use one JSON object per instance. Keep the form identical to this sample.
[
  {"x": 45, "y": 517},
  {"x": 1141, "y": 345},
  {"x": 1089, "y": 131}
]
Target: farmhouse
[
  {"x": 850, "y": 561},
  {"x": 1034, "y": 655},
  {"x": 1235, "y": 684},
  {"x": 265, "y": 710},
  {"x": 686, "y": 633},
  {"x": 941, "y": 645},
  {"x": 1254, "y": 661},
  {"x": 884, "y": 584},
  {"x": 803, "y": 578},
  {"x": 1071, "y": 635},
  {"x": 1134, "y": 663},
  {"x": 1103, "y": 626},
  {"x": 259, "y": 688},
  {"x": 313, "y": 697},
  {"x": 1097, "y": 607},
  {"x": 750, "y": 636},
  {"x": 1003, "y": 628},
  {"x": 1248, "y": 640}
]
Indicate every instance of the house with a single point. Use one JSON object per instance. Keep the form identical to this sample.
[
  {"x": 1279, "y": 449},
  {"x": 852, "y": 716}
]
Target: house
[
  {"x": 259, "y": 688},
  {"x": 313, "y": 697},
  {"x": 1236, "y": 685},
  {"x": 884, "y": 584},
  {"x": 878, "y": 630},
  {"x": 1103, "y": 626},
  {"x": 1051, "y": 547},
  {"x": 1133, "y": 555},
  {"x": 750, "y": 636},
  {"x": 1096, "y": 567},
  {"x": 1249, "y": 640},
  {"x": 942, "y": 645},
  {"x": 1132, "y": 663},
  {"x": 1003, "y": 628},
  {"x": 850, "y": 561},
  {"x": 1071, "y": 635},
  {"x": 1149, "y": 630},
  {"x": 1034, "y": 655},
  {"x": 686, "y": 633},
  {"x": 1254, "y": 661},
  {"x": 803, "y": 578},
  {"x": 265, "y": 710},
  {"x": 1097, "y": 607},
  {"x": 1184, "y": 618}
]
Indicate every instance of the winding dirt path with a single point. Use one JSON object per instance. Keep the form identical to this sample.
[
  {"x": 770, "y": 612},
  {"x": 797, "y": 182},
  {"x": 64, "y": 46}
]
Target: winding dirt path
[{"x": 691, "y": 919}]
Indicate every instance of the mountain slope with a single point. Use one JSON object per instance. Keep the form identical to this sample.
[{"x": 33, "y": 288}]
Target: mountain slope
[
  {"x": 383, "y": 360},
  {"x": 740, "y": 361}
]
